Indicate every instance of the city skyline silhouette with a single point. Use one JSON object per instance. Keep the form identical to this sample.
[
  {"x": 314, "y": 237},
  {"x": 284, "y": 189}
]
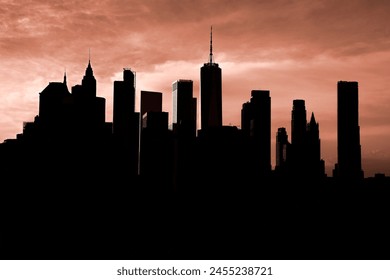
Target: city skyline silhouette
[
  {"x": 293, "y": 63},
  {"x": 149, "y": 185},
  {"x": 168, "y": 95},
  {"x": 127, "y": 124}
]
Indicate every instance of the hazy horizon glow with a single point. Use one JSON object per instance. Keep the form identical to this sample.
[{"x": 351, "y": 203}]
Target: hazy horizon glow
[{"x": 295, "y": 49}]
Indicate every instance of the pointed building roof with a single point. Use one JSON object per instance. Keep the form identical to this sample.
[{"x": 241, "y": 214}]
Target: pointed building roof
[
  {"x": 312, "y": 119},
  {"x": 89, "y": 71},
  {"x": 65, "y": 83}
]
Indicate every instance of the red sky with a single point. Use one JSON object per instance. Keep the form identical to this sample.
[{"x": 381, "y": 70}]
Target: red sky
[{"x": 295, "y": 49}]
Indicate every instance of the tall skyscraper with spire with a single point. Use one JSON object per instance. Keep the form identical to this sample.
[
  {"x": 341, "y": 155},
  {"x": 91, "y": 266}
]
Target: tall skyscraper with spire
[
  {"x": 211, "y": 92},
  {"x": 89, "y": 109},
  {"x": 89, "y": 82},
  {"x": 348, "y": 131}
]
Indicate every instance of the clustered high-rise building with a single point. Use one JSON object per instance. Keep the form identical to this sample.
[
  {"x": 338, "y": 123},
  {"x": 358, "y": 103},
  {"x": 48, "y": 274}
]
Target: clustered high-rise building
[
  {"x": 71, "y": 133},
  {"x": 349, "y": 164},
  {"x": 304, "y": 155}
]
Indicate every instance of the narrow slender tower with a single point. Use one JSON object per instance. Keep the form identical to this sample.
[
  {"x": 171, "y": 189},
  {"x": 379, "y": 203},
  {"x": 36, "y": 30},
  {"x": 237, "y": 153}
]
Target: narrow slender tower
[{"x": 211, "y": 92}]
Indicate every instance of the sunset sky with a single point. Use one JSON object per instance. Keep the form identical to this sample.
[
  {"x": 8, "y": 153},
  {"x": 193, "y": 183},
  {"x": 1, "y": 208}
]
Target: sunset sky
[{"x": 295, "y": 49}]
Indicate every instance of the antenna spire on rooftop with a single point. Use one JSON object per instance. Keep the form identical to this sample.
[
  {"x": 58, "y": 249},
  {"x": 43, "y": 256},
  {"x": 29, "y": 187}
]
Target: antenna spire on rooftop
[
  {"x": 211, "y": 45},
  {"x": 65, "y": 76}
]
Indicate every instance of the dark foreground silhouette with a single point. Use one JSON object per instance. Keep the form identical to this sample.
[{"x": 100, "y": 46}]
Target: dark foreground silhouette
[{"x": 53, "y": 211}]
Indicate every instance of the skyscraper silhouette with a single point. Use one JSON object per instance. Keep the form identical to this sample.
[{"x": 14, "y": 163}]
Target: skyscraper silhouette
[
  {"x": 89, "y": 81},
  {"x": 184, "y": 111},
  {"x": 298, "y": 122},
  {"x": 184, "y": 128},
  {"x": 315, "y": 165},
  {"x": 89, "y": 109},
  {"x": 51, "y": 105},
  {"x": 124, "y": 102},
  {"x": 211, "y": 92},
  {"x": 282, "y": 146},
  {"x": 297, "y": 156},
  {"x": 256, "y": 117},
  {"x": 151, "y": 101},
  {"x": 349, "y": 164},
  {"x": 126, "y": 123},
  {"x": 246, "y": 116},
  {"x": 304, "y": 152},
  {"x": 156, "y": 155}
]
